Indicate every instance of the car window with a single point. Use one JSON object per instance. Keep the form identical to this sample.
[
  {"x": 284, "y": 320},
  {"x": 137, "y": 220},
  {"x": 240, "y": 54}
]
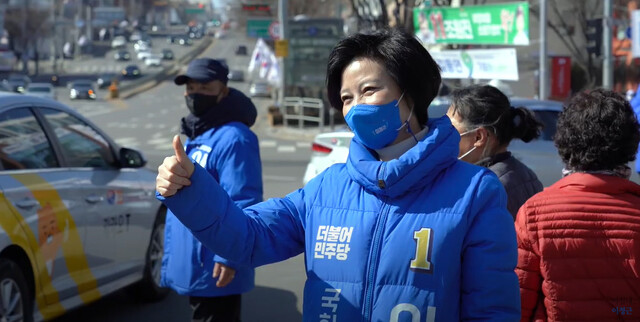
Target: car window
[
  {"x": 39, "y": 89},
  {"x": 548, "y": 119},
  {"x": 82, "y": 145},
  {"x": 23, "y": 144}
]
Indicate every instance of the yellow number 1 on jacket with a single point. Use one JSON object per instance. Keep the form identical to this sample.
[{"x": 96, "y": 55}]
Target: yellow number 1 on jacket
[{"x": 423, "y": 239}]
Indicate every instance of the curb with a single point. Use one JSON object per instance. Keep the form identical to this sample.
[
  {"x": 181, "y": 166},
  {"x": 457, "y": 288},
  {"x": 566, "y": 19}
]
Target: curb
[{"x": 147, "y": 82}]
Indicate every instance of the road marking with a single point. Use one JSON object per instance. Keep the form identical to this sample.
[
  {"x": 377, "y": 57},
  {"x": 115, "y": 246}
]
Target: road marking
[
  {"x": 268, "y": 144},
  {"x": 303, "y": 144},
  {"x": 286, "y": 148}
]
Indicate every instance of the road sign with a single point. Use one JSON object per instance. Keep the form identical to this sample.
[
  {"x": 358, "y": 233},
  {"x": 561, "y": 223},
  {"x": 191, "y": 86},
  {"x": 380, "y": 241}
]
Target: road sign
[
  {"x": 274, "y": 30},
  {"x": 282, "y": 48},
  {"x": 258, "y": 27}
]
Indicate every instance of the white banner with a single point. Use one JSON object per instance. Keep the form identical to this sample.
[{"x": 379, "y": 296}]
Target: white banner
[
  {"x": 478, "y": 64},
  {"x": 635, "y": 33}
]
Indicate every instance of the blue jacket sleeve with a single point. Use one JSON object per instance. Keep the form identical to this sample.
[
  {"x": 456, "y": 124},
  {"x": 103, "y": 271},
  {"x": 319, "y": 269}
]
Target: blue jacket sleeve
[
  {"x": 239, "y": 169},
  {"x": 635, "y": 103},
  {"x": 490, "y": 289},
  {"x": 265, "y": 233}
]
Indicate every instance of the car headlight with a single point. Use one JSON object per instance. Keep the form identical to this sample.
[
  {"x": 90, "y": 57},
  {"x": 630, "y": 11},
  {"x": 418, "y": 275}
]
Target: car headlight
[{"x": 136, "y": 72}]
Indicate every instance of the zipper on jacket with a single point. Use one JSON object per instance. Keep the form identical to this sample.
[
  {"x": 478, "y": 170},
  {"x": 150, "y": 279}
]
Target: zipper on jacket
[
  {"x": 370, "y": 279},
  {"x": 381, "y": 183}
]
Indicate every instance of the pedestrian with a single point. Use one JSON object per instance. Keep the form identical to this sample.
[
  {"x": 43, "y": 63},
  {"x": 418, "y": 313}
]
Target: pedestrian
[
  {"x": 635, "y": 104},
  {"x": 487, "y": 124},
  {"x": 579, "y": 239},
  {"x": 402, "y": 229},
  {"x": 220, "y": 141}
]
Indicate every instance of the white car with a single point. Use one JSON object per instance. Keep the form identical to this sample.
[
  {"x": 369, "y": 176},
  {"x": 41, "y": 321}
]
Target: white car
[
  {"x": 141, "y": 46},
  {"x": 45, "y": 90},
  {"x": 118, "y": 41},
  {"x": 153, "y": 60},
  {"x": 142, "y": 55}
]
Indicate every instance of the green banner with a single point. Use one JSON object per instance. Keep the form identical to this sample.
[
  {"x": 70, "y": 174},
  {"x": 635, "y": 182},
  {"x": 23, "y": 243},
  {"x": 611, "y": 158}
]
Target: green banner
[
  {"x": 259, "y": 28},
  {"x": 491, "y": 24}
]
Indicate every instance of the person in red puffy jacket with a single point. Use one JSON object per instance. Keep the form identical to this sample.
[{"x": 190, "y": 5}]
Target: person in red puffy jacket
[{"x": 579, "y": 239}]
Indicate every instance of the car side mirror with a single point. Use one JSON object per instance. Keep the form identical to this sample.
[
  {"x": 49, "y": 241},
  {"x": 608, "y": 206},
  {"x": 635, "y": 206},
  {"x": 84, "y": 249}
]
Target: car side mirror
[{"x": 130, "y": 158}]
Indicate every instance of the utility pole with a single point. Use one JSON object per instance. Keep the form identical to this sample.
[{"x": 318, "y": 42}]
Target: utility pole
[
  {"x": 54, "y": 38},
  {"x": 543, "y": 51},
  {"x": 23, "y": 31},
  {"x": 607, "y": 64},
  {"x": 283, "y": 17}
]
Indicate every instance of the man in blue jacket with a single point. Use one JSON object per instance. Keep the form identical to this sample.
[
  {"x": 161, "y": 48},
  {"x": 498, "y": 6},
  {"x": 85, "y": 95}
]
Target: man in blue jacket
[
  {"x": 635, "y": 103},
  {"x": 218, "y": 139}
]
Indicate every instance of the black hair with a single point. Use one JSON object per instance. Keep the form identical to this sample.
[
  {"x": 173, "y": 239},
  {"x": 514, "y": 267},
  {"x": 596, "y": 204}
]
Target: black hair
[
  {"x": 402, "y": 55},
  {"x": 597, "y": 131},
  {"x": 487, "y": 106}
]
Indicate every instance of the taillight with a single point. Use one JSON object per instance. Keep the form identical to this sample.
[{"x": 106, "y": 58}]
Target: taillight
[{"x": 315, "y": 147}]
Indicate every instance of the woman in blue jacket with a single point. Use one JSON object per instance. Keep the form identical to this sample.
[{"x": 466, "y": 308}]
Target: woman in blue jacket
[{"x": 402, "y": 231}]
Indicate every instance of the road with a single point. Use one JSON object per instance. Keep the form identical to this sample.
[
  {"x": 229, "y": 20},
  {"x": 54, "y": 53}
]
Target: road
[{"x": 147, "y": 122}]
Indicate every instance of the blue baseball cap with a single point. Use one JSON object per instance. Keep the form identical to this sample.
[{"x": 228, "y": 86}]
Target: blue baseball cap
[{"x": 204, "y": 70}]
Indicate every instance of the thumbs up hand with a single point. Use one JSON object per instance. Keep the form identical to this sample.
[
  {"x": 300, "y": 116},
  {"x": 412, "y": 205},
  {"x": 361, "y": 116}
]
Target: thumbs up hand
[{"x": 175, "y": 171}]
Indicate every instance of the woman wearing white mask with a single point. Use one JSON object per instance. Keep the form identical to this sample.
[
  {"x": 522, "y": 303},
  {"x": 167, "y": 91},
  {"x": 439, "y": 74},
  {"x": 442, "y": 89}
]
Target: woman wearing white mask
[
  {"x": 402, "y": 231},
  {"x": 487, "y": 123}
]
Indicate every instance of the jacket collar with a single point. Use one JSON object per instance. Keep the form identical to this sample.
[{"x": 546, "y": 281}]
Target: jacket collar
[
  {"x": 414, "y": 169},
  {"x": 597, "y": 183}
]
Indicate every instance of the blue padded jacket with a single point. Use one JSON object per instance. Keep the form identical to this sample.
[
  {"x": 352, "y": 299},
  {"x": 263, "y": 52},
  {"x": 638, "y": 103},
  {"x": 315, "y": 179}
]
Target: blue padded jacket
[{"x": 424, "y": 237}]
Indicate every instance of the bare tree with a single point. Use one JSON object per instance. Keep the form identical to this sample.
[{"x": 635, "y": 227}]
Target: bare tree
[
  {"x": 371, "y": 14},
  {"x": 26, "y": 32},
  {"x": 306, "y": 7}
]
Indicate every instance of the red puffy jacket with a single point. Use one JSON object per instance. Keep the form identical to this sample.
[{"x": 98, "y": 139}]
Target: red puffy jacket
[{"x": 579, "y": 251}]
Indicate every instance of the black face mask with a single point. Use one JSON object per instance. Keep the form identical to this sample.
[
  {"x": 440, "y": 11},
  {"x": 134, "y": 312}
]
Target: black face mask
[{"x": 198, "y": 104}]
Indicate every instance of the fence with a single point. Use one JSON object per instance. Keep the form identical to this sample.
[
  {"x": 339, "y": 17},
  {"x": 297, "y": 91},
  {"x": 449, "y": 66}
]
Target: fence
[{"x": 303, "y": 109}]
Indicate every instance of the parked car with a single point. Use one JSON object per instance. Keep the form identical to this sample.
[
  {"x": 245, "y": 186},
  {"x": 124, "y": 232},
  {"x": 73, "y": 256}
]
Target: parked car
[
  {"x": 236, "y": 75},
  {"x": 118, "y": 41},
  {"x": 17, "y": 82},
  {"x": 167, "y": 54},
  {"x": 241, "y": 50},
  {"x": 82, "y": 89},
  {"x": 122, "y": 55},
  {"x": 45, "y": 90},
  {"x": 104, "y": 80},
  {"x": 154, "y": 60},
  {"x": 260, "y": 89},
  {"x": 131, "y": 71},
  {"x": 79, "y": 215},
  {"x": 141, "y": 46}
]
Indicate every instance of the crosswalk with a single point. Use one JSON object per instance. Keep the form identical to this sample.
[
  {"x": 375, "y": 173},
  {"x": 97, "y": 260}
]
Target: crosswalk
[{"x": 99, "y": 68}]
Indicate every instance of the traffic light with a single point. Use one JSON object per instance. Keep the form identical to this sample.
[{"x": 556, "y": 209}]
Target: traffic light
[{"x": 594, "y": 36}]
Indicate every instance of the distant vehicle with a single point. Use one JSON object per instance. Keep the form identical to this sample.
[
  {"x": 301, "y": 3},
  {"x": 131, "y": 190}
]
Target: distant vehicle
[
  {"x": 142, "y": 55},
  {"x": 104, "y": 80},
  {"x": 118, "y": 41},
  {"x": 141, "y": 46},
  {"x": 171, "y": 39},
  {"x": 236, "y": 75},
  {"x": 135, "y": 36},
  {"x": 167, "y": 54},
  {"x": 220, "y": 34},
  {"x": 184, "y": 41},
  {"x": 79, "y": 215},
  {"x": 241, "y": 50},
  {"x": 45, "y": 90},
  {"x": 154, "y": 60},
  {"x": 17, "y": 82},
  {"x": 260, "y": 89},
  {"x": 131, "y": 71},
  {"x": 122, "y": 55},
  {"x": 82, "y": 89}
]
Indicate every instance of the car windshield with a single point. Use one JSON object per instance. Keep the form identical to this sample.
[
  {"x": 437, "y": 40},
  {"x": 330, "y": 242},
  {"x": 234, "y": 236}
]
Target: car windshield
[
  {"x": 39, "y": 89},
  {"x": 17, "y": 78},
  {"x": 82, "y": 85}
]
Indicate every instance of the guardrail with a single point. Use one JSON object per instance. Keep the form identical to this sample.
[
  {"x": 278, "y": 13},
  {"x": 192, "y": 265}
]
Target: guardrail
[{"x": 303, "y": 109}]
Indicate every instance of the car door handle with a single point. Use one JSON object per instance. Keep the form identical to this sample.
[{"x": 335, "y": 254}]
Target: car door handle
[
  {"x": 93, "y": 199},
  {"x": 27, "y": 203}
]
